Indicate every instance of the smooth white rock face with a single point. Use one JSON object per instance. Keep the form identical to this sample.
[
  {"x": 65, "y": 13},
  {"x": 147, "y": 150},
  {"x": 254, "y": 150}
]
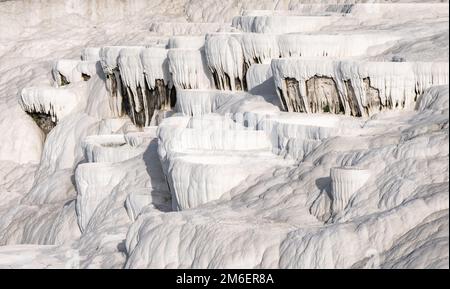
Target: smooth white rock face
[
  {"x": 94, "y": 181},
  {"x": 346, "y": 181},
  {"x": 143, "y": 138},
  {"x": 188, "y": 69},
  {"x": 65, "y": 71},
  {"x": 196, "y": 102},
  {"x": 203, "y": 185},
  {"x": 112, "y": 125},
  {"x": 224, "y": 134},
  {"x": 186, "y": 42},
  {"x": 144, "y": 199},
  {"x": 257, "y": 75},
  {"x": 434, "y": 98},
  {"x": 26, "y": 139},
  {"x": 214, "y": 122},
  {"x": 38, "y": 257},
  {"x": 187, "y": 28},
  {"x": 90, "y": 54},
  {"x": 282, "y": 23},
  {"x": 108, "y": 149},
  {"x": 62, "y": 149},
  {"x": 136, "y": 202}
]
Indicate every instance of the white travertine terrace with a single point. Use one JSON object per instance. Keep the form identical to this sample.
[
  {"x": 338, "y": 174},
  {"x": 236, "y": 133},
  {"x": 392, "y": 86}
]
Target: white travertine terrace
[
  {"x": 173, "y": 151},
  {"x": 213, "y": 121},
  {"x": 112, "y": 125},
  {"x": 284, "y": 128},
  {"x": 334, "y": 45},
  {"x": 224, "y": 56},
  {"x": 32, "y": 256},
  {"x": 259, "y": 48},
  {"x": 186, "y": 42},
  {"x": 230, "y": 55},
  {"x": 90, "y": 54},
  {"x": 138, "y": 80},
  {"x": 135, "y": 202},
  {"x": 141, "y": 200},
  {"x": 353, "y": 87},
  {"x": 434, "y": 98},
  {"x": 283, "y": 23},
  {"x": 257, "y": 74},
  {"x": 187, "y": 139},
  {"x": 156, "y": 66},
  {"x": 65, "y": 71},
  {"x": 94, "y": 181},
  {"x": 89, "y": 68},
  {"x": 55, "y": 102},
  {"x": 204, "y": 151},
  {"x": 189, "y": 70},
  {"x": 133, "y": 82},
  {"x": 109, "y": 149},
  {"x": 195, "y": 102},
  {"x": 187, "y": 28},
  {"x": 188, "y": 192},
  {"x": 141, "y": 138},
  {"x": 345, "y": 182},
  {"x": 109, "y": 57},
  {"x": 159, "y": 89},
  {"x": 108, "y": 60}
]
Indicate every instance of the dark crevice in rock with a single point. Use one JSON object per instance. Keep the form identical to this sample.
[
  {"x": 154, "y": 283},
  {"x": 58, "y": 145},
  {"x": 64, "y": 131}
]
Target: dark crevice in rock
[
  {"x": 216, "y": 78},
  {"x": 85, "y": 76},
  {"x": 113, "y": 145},
  {"x": 244, "y": 80},
  {"x": 238, "y": 83},
  {"x": 173, "y": 96},
  {"x": 373, "y": 96},
  {"x": 117, "y": 91},
  {"x": 294, "y": 102},
  {"x": 283, "y": 99},
  {"x": 225, "y": 82},
  {"x": 161, "y": 97},
  {"x": 351, "y": 99},
  {"x": 323, "y": 95},
  {"x": 64, "y": 80},
  {"x": 43, "y": 120}
]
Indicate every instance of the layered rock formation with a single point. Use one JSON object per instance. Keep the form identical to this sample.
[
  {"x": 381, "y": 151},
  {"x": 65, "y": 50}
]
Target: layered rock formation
[{"x": 266, "y": 141}]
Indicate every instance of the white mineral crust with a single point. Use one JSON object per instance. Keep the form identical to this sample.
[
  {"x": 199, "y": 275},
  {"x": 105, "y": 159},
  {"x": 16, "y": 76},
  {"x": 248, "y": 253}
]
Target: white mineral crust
[{"x": 224, "y": 134}]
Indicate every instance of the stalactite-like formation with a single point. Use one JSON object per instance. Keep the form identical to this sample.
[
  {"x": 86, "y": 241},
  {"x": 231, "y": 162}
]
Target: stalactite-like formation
[
  {"x": 159, "y": 89},
  {"x": 54, "y": 102},
  {"x": 352, "y": 87},
  {"x": 224, "y": 56},
  {"x": 189, "y": 69},
  {"x": 146, "y": 81},
  {"x": 108, "y": 60},
  {"x": 138, "y": 81}
]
